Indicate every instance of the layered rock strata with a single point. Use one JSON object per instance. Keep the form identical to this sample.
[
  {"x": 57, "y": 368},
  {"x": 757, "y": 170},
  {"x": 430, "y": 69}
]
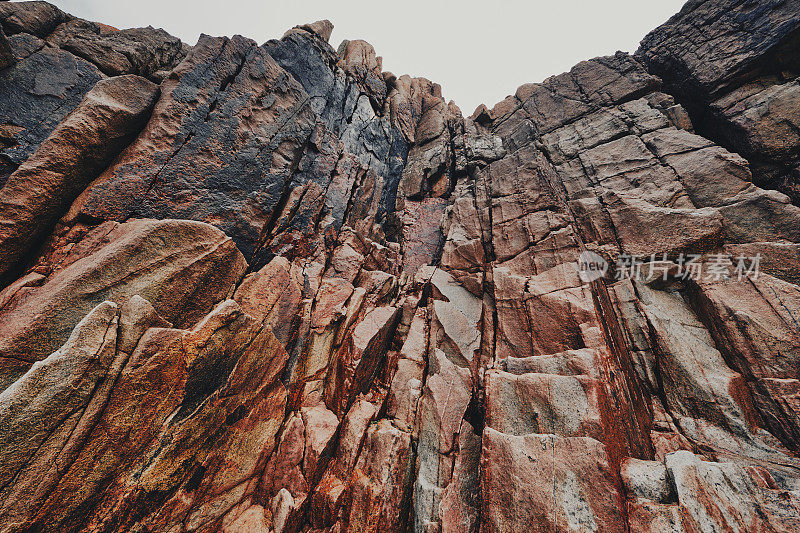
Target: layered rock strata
[{"x": 273, "y": 288}]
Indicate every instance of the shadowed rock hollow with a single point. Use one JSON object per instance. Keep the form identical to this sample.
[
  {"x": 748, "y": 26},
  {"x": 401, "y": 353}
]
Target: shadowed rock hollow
[{"x": 272, "y": 288}]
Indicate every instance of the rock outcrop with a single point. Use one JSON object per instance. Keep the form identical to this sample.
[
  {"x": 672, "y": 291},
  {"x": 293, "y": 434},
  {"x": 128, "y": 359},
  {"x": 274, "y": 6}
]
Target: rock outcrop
[
  {"x": 273, "y": 288},
  {"x": 735, "y": 66}
]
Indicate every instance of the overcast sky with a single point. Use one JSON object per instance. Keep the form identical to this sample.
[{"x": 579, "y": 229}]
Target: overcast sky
[{"x": 479, "y": 52}]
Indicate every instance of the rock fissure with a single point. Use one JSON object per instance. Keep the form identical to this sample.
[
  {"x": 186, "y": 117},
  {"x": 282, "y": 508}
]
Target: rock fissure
[{"x": 340, "y": 305}]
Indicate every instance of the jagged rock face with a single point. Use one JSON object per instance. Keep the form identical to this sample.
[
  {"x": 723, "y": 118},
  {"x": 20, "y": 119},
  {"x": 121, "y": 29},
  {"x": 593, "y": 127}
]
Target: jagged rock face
[
  {"x": 272, "y": 288},
  {"x": 79, "y": 148},
  {"x": 52, "y": 59},
  {"x": 735, "y": 65}
]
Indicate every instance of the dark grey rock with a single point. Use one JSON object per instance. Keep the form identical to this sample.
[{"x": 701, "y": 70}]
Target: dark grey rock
[{"x": 36, "y": 93}]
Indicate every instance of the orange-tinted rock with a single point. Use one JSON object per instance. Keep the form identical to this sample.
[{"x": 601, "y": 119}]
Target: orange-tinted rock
[
  {"x": 272, "y": 295},
  {"x": 422, "y": 237},
  {"x": 543, "y": 403},
  {"x": 460, "y": 509},
  {"x": 47, "y": 412},
  {"x": 112, "y": 407},
  {"x": 214, "y": 391},
  {"x": 358, "y": 358},
  {"x": 183, "y": 268},
  {"x": 754, "y": 326},
  {"x": 331, "y": 492},
  {"x": 379, "y": 480},
  {"x": 358, "y": 59},
  {"x": 441, "y": 327},
  {"x": 576, "y": 488},
  {"x": 322, "y": 425},
  {"x": 285, "y": 468},
  {"x": 711, "y": 495}
]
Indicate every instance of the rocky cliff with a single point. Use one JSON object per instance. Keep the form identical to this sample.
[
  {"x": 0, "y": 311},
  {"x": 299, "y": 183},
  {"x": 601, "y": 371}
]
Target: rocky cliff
[{"x": 257, "y": 288}]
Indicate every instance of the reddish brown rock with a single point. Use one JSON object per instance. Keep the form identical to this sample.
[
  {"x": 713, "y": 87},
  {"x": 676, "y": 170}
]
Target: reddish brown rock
[
  {"x": 543, "y": 403},
  {"x": 215, "y": 390},
  {"x": 710, "y": 495},
  {"x": 335, "y": 305},
  {"x": 284, "y": 470},
  {"x": 358, "y": 59},
  {"x": 359, "y": 357},
  {"x": 37, "y": 18},
  {"x": 460, "y": 508},
  {"x": 758, "y": 336},
  {"x": 182, "y": 267},
  {"x": 272, "y": 295},
  {"x": 321, "y": 426},
  {"x": 445, "y": 398},
  {"x": 83, "y": 144},
  {"x": 417, "y": 343},
  {"x": 580, "y": 492},
  {"x": 422, "y": 233},
  {"x": 406, "y": 387},
  {"x": 39, "y": 427},
  {"x": 322, "y": 28},
  {"x": 122, "y": 391},
  {"x": 379, "y": 480},
  {"x": 330, "y": 495}
]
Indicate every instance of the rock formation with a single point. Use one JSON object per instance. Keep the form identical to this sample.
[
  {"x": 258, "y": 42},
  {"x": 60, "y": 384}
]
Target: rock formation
[{"x": 273, "y": 288}]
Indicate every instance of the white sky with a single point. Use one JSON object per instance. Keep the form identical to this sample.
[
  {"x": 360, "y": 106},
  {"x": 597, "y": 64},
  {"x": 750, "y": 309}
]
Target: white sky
[{"x": 479, "y": 52}]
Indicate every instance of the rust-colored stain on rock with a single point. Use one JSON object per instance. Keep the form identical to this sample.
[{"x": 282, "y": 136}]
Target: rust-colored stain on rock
[{"x": 273, "y": 288}]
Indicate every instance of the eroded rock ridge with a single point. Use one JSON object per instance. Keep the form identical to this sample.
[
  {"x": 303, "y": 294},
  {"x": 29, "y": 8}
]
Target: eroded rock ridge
[{"x": 273, "y": 288}]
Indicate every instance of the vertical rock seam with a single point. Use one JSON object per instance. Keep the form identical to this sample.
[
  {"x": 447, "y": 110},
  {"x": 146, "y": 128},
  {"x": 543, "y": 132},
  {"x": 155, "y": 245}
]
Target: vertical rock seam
[{"x": 273, "y": 288}]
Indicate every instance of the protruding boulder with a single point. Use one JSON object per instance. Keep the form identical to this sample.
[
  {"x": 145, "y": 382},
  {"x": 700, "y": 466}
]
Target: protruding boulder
[
  {"x": 712, "y": 46},
  {"x": 142, "y": 51},
  {"x": 37, "y": 18},
  {"x": 321, "y": 28}
]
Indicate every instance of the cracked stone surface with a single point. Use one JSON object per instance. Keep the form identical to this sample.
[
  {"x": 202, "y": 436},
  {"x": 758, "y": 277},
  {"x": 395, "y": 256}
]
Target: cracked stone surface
[{"x": 273, "y": 288}]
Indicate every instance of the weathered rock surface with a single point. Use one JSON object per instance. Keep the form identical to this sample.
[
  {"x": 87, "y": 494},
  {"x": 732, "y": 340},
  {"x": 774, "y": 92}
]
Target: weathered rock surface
[
  {"x": 182, "y": 267},
  {"x": 51, "y": 60},
  {"x": 37, "y": 92},
  {"x": 6, "y": 53},
  {"x": 36, "y": 18},
  {"x": 735, "y": 65},
  {"x": 285, "y": 291},
  {"x": 142, "y": 51},
  {"x": 79, "y": 148}
]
